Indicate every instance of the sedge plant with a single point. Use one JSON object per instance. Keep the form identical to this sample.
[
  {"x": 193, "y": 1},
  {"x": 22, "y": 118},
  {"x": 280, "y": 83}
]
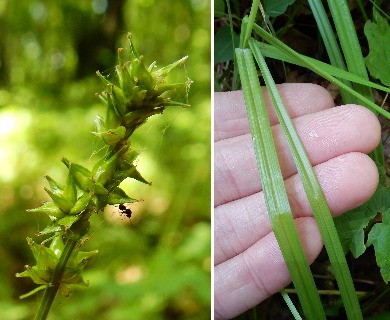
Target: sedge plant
[
  {"x": 138, "y": 92},
  {"x": 347, "y": 71}
]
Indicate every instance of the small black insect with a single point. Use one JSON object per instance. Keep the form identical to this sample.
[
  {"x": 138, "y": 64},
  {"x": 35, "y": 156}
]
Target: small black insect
[{"x": 126, "y": 211}]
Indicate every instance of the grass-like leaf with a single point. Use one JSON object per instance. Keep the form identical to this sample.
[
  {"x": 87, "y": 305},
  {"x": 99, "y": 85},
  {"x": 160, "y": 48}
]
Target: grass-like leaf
[
  {"x": 330, "y": 42},
  {"x": 250, "y": 22},
  {"x": 270, "y": 51},
  {"x": 314, "y": 193},
  {"x": 278, "y": 207},
  {"x": 354, "y": 58},
  {"x": 349, "y": 43},
  {"x": 312, "y": 66}
]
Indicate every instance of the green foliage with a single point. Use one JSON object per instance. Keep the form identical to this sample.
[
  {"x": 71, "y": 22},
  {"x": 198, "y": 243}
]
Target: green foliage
[
  {"x": 139, "y": 92},
  {"x": 276, "y": 8},
  {"x": 352, "y": 225},
  {"x": 378, "y": 36},
  {"x": 379, "y": 237},
  {"x": 367, "y": 224},
  {"x": 47, "y": 260},
  {"x": 223, "y": 45},
  {"x": 48, "y": 105}
]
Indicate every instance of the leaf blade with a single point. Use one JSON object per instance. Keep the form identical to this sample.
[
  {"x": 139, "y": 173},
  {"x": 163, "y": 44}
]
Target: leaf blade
[
  {"x": 314, "y": 193},
  {"x": 274, "y": 191}
]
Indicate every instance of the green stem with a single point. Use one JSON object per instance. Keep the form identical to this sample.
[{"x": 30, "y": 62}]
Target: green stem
[
  {"x": 290, "y": 305},
  {"x": 361, "y": 7},
  {"x": 50, "y": 292}
]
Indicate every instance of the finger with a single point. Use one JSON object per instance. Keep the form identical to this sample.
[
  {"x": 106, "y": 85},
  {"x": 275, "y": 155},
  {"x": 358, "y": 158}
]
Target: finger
[
  {"x": 247, "y": 279},
  {"x": 231, "y": 120},
  {"x": 347, "y": 181},
  {"x": 325, "y": 135}
]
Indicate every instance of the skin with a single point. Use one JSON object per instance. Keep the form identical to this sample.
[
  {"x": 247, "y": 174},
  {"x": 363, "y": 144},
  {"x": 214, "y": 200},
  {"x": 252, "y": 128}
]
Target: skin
[{"x": 248, "y": 265}]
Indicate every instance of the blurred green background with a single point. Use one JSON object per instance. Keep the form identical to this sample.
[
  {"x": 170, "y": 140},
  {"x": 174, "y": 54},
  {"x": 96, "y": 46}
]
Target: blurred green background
[{"x": 157, "y": 264}]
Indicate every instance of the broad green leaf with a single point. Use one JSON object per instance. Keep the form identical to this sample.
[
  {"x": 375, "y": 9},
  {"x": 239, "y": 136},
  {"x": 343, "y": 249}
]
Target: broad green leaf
[
  {"x": 378, "y": 59},
  {"x": 223, "y": 47},
  {"x": 275, "y": 8},
  {"x": 219, "y": 8},
  {"x": 351, "y": 225},
  {"x": 380, "y": 238}
]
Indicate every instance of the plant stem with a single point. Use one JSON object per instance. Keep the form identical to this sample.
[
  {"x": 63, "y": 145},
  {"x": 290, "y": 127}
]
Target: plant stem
[
  {"x": 290, "y": 305},
  {"x": 50, "y": 292}
]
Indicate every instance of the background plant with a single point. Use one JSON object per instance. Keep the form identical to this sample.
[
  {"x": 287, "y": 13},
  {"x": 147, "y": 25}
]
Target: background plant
[
  {"x": 286, "y": 27},
  {"x": 48, "y": 75}
]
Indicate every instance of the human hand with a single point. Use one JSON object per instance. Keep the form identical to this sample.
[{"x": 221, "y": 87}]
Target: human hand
[{"x": 248, "y": 264}]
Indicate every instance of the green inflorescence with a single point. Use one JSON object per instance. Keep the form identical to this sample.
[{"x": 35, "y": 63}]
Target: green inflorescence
[{"x": 139, "y": 92}]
